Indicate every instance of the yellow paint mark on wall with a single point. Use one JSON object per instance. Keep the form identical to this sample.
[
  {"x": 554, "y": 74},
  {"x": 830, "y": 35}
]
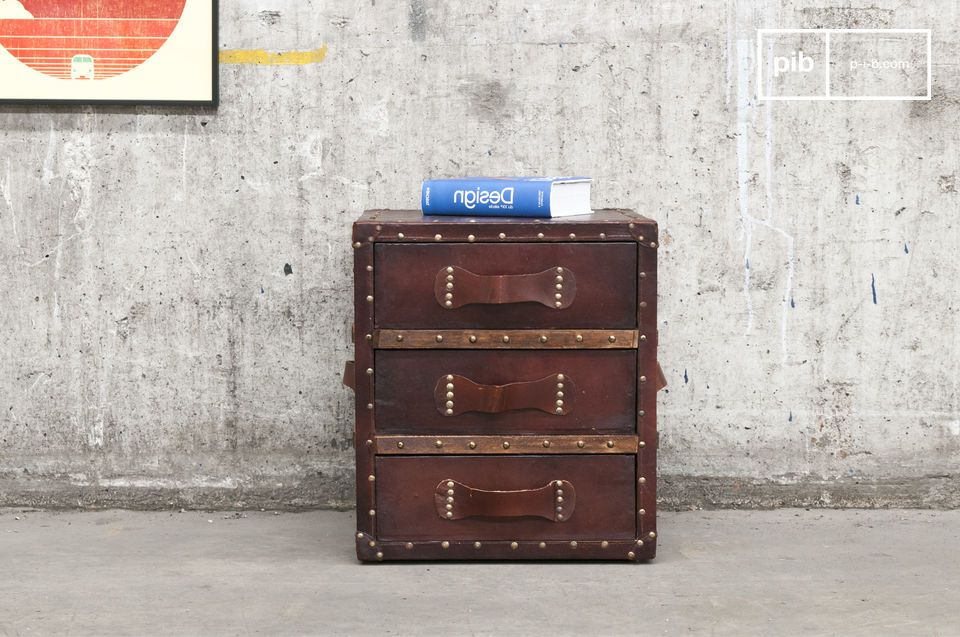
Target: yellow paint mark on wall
[{"x": 262, "y": 56}]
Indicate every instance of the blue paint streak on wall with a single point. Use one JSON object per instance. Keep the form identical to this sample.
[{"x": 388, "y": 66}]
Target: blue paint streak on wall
[
  {"x": 857, "y": 199},
  {"x": 748, "y": 264},
  {"x": 790, "y": 417},
  {"x": 685, "y": 378},
  {"x": 906, "y": 250},
  {"x": 792, "y": 304},
  {"x": 873, "y": 287}
]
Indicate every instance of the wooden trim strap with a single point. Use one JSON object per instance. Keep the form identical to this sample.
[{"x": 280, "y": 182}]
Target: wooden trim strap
[
  {"x": 468, "y": 445},
  {"x": 506, "y": 339}
]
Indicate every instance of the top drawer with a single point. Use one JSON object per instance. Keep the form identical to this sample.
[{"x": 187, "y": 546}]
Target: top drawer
[{"x": 489, "y": 286}]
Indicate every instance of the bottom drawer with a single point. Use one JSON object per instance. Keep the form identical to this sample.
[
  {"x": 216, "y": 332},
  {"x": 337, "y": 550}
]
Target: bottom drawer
[{"x": 506, "y": 498}]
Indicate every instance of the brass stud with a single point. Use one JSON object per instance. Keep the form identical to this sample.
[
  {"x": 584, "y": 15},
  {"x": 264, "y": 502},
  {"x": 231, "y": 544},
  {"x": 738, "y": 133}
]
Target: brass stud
[
  {"x": 573, "y": 544},
  {"x": 560, "y": 499},
  {"x": 643, "y": 379},
  {"x": 449, "y": 404},
  {"x": 546, "y": 443},
  {"x": 643, "y": 304},
  {"x": 542, "y": 545},
  {"x": 439, "y": 338},
  {"x": 502, "y": 235},
  {"x": 400, "y": 235},
  {"x": 369, "y": 371},
  {"x": 437, "y": 237},
  {"x": 449, "y": 285},
  {"x": 559, "y": 286},
  {"x": 652, "y": 535},
  {"x": 580, "y": 444},
  {"x": 369, "y": 406},
  {"x": 640, "y": 543},
  {"x": 559, "y": 491},
  {"x": 609, "y": 444},
  {"x": 372, "y": 543},
  {"x": 653, "y": 244},
  {"x": 477, "y": 545},
  {"x": 400, "y": 445},
  {"x": 359, "y": 536},
  {"x": 561, "y": 377},
  {"x": 641, "y": 444},
  {"x": 449, "y": 386},
  {"x": 369, "y": 299},
  {"x": 471, "y": 238},
  {"x": 449, "y": 395},
  {"x": 642, "y": 412},
  {"x": 543, "y": 339},
  {"x": 445, "y": 544},
  {"x": 439, "y": 443},
  {"x": 357, "y": 244},
  {"x": 506, "y": 339},
  {"x": 372, "y": 512},
  {"x": 514, "y": 545},
  {"x": 631, "y": 555},
  {"x": 369, "y": 268},
  {"x": 604, "y": 544},
  {"x": 449, "y": 513},
  {"x": 369, "y": 443},
  {"x": 449, "y": 269},
  {"x": 558, "y": 296},
  {"x": 450, "y": 499},
  {"x": 380, "y": 556},
  {"x": 573, "y": 236},
  {"x": 371, "y": 478},
  {"x": 631, "y": 225},
  {"x": 612, "y": 338},
  {"x": 641, "y": 511},
  {"x": 643, "y": 275},
  {"x": 558, "y": 304},
  {"x": 579, "y": 338},
  {"x": 449, "y": 412},
  {"x": 559, "y": 516},
  {"x": 559, "y": 279},
  {"x": 408, "y": 545},
  {"x": 369, "y": 337},
  {"x": 449, "y": 491},
  {"x": 472, "y": 339},
  {"x": 558, "y": 483},
  {"x": 559, "y": 403},
  {"x": 449, "y": 377},
  {"x": 559, "y": 394},
  {"x": 559, "y": 385},
  {"x": 539, "y": 235},
  {"x": 603, "y": 235},
  {"x": 640, "y": 237},
  {"x": 472, "y": 444},
  {"x": 506, "y": 445},
  {"x": 642, "y": 480},
  {"x": 399, "y": 338},
  {"x": 643, "y": 337},
  {"x": 559, "y": 410}
]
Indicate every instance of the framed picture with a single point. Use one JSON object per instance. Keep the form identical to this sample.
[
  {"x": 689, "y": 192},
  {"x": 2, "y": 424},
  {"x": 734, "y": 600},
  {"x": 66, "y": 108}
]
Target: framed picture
[{"x": 109, "y": 52}]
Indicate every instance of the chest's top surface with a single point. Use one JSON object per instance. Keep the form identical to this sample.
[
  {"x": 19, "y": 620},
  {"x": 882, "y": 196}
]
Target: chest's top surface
[{"x": 391, "y": 225}]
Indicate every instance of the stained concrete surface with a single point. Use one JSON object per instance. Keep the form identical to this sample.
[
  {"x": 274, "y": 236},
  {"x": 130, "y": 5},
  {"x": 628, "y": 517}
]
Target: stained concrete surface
[
  {"x": 176, "y": 282},
  {"x": 785, "y": 572}
]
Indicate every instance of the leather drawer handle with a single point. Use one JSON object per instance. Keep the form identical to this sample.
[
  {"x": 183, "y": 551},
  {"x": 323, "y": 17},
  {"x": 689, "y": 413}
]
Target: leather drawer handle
[
  {"x": 457, "y": 394},
  {"x": 554, "y": 501},
  {"x": 455, "y": 287}
]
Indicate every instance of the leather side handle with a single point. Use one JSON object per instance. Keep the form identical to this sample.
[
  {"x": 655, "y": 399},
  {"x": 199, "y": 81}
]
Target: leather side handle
[
  {"x": 350, "y": 375},
  {"x": 457, "y": 394},
  {"x": 555, "y": 501},
  {"x": 455, "y": 287}
]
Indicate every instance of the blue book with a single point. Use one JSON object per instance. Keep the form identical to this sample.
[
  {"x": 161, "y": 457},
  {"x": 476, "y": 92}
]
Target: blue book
[{"x": 506, "y": 196}]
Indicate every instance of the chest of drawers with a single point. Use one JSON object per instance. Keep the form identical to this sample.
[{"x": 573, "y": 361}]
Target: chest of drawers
[{"x": 506, "y": 379}]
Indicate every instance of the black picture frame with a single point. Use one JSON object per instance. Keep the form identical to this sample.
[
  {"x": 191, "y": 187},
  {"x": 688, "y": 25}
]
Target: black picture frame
[{"x": 214, "y": 102}]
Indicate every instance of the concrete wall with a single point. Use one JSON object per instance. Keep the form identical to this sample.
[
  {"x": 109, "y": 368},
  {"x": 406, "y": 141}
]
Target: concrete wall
[{"x": 157, "y": 349}]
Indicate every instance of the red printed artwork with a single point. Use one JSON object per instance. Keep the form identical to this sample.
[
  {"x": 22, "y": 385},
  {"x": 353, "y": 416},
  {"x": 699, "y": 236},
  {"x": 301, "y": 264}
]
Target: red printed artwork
[{"x": 87, "y": 39}]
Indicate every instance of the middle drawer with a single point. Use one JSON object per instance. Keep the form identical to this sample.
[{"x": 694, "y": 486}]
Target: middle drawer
[{"x": 504, "y": 392}]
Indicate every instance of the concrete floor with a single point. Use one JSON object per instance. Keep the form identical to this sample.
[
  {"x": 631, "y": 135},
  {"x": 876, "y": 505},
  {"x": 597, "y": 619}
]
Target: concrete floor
[{"x": 787, "y": 572}]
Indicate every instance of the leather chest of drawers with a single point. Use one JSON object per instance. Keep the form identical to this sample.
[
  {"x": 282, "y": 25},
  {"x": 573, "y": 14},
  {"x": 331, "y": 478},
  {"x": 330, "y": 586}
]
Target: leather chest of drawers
[{"x": 506, "y": 379}]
